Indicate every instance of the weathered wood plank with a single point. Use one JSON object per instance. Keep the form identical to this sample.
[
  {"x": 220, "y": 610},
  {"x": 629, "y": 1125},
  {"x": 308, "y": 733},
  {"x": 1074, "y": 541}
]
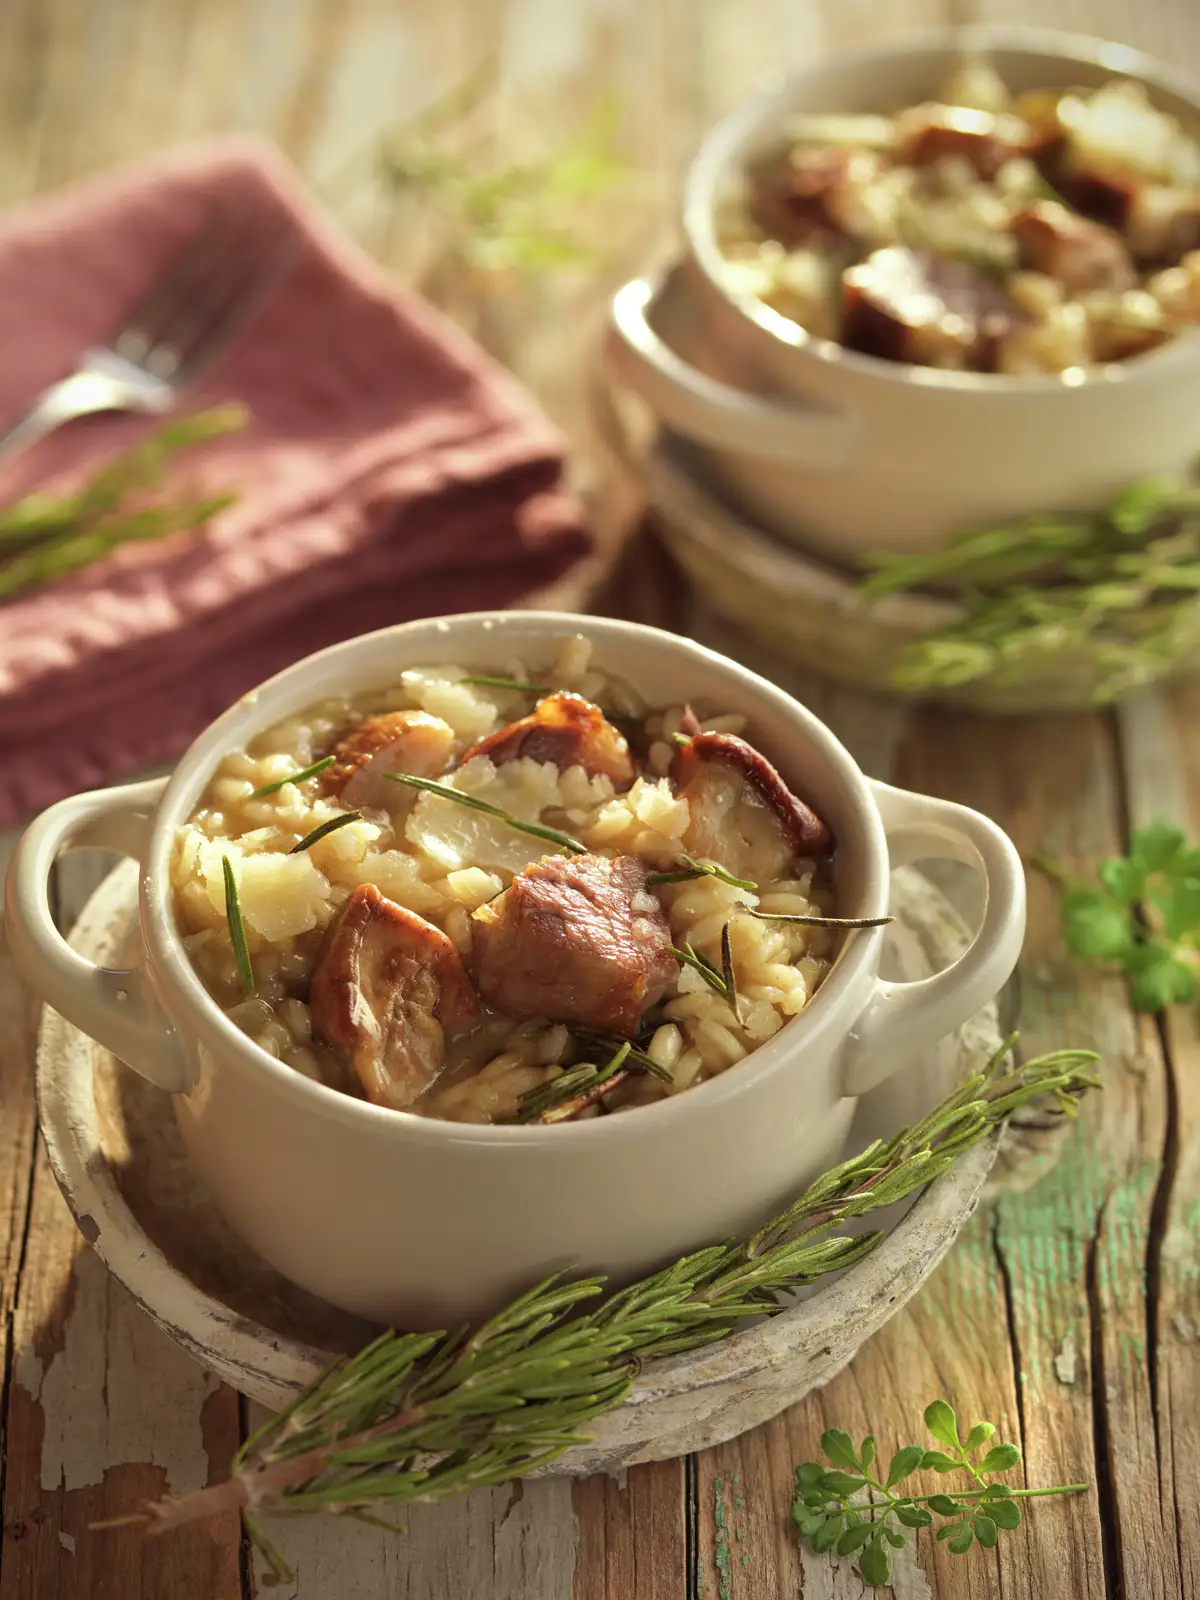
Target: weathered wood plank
[
  {"x": 1162, "y": 781},
  {"x": 632, "y": 1534}
]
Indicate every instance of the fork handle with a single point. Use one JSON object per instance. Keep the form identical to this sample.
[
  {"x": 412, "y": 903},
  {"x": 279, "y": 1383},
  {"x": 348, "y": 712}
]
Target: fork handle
[{"x": 84, "y": 393}]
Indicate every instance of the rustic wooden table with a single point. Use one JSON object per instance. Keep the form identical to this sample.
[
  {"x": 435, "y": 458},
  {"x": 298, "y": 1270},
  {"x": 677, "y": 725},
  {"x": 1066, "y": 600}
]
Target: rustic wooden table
[{"x": 1070, "y": 1311}]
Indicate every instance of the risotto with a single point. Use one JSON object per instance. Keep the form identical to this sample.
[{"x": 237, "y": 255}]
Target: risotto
[
  {"x": 491, "y": 899},
  {"x": 985, "y": 231}
]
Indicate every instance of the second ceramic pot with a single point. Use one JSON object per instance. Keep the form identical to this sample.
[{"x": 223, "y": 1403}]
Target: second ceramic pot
[{"x": 841, "y": 453}]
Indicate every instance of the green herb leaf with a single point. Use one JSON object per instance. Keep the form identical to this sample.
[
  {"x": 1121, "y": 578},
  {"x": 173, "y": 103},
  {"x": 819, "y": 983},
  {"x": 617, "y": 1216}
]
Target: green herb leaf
[
  {"x": 808, "y": 1474},
  {"x": 833, "y": 1482},
  {"x": 294, "y": 777},
  {"x": 867, "y": 1452},
  {"x": 1125, "y": 880},
  {"x": 914, "y": 1516},
  {"x": 828, "y": 1534},
  {"x": 1159, "y": 977},
  {"x": 904, "y": 1463},
  {"x": 939, "y": 1461},
  {"x": 324, "y": 830},
  {"x": 979, "y": 1434},
  {"x": 237, "y": 928},
  {"x": 839, "y": 1447},
  {"x": 943, "y": 1505},
  {"x": 1157, "y": 846},
  {"x": 985, "y": 1531},
  {"x": 961, "y": 1539},
  {"x": 1005, "y": 1513},
  {"x": 874, "y": 1567},
  {"x": 1000, "y": 1458},
  {"x": 854, "y": 1538},
  {"x": 1094, "y": 927},
  {"x": 895, "y": 1538}
]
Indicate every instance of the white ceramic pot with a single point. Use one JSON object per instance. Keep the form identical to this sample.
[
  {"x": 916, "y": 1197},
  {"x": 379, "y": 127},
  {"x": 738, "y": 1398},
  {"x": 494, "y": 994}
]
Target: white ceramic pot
[
  {"x": 413, "y": 1221},
  {"x": 843, "y": 453}
]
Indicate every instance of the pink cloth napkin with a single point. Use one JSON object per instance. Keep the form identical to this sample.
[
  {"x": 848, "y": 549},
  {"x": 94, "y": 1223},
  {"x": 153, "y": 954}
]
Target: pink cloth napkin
[{"x": 390, "y": 470}]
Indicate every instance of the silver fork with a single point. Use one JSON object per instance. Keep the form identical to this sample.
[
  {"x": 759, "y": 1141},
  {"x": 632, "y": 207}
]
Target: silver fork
[{"x": 209, "y": 291}]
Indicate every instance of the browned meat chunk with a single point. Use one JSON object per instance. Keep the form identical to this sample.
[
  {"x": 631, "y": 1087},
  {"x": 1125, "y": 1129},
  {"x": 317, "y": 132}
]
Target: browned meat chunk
[
  {"x": 926, "y": 133},
  {"x": 1079, "y": 254},
  {"x": 576, "y": 939},
  {"x": 567, "y": 730},
  {"x": 742, "y": 814},
  {"x": 810, "y": 189},
  {"x": 392, "y": 741},
  {"x": 388, "y": 991},
  {"x": 907, "y": 305}
]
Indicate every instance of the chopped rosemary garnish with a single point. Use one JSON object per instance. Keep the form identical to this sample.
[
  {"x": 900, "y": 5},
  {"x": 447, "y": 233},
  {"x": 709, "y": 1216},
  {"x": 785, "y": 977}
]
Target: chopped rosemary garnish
[
  {"x": 333, "y": 824},
  {"x": 534, "y": 829},
  {"x": 681, "y": 739},
  {"x": 709, "y": 971},
  {"x": 727, "y": 972},
  {"x": 237, "y": 929},
  {"x": 573, "y": 1090},
  {"x": 294, "y": 777},
  {"x": 815, "y": 921},
  {"x": 485, "y": 681},
  {"x": 701, "y": 869},
  {"x": 639, "y": 1057}
]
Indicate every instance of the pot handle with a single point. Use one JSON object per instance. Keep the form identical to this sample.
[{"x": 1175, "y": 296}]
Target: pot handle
[
  {"x": 901, "y": 1019},
  {"x": 117, "y": 1008},
  {"x": 715, "y": 413}
]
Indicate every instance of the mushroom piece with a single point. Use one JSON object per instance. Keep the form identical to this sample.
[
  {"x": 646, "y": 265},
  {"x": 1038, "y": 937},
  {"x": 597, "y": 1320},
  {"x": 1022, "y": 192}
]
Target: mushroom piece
[
  {"x": 741, "y": 813},
  {"x": 926, "y": 133},
  {"x": 567, "y": 730},
  {"x": 911, "y": 305},
  {"x": 390, "y": 741},
  {"x": 577, "y": 939},
  {"x": 1079, "y": 254},
  {"x": 389, "y": 991}
]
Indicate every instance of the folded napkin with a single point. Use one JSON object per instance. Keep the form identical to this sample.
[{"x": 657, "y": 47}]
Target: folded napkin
[{"x": 390, "y": 470}]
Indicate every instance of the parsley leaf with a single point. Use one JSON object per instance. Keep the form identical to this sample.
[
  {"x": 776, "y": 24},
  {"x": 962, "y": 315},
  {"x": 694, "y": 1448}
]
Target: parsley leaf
[{"x": 1144, "y": 914}]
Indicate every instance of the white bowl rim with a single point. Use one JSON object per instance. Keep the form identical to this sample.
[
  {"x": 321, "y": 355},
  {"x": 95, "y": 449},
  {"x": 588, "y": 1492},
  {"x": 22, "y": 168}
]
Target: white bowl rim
[
  {"x": 237, "y": 723},
  {"x": 715, "y": 156}
]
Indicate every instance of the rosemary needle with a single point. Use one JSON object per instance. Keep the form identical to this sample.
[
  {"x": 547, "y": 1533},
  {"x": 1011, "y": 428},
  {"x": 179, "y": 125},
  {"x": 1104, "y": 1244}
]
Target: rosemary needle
[
  {"x": 815, "y": 921},
  {"x": 294, "y": 777},
  {"x": 333, "y": 824},
  {"x": 731, "y": 993},
  {"x": 484, "y": 681},
  {"x": 474, "y": 803},
  {"x": 237, "y": 928},
  {"x": 702, "y": 869}
]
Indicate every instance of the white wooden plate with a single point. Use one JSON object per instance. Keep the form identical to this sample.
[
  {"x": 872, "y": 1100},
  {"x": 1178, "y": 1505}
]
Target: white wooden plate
[{"x": 119, "y": 1161}]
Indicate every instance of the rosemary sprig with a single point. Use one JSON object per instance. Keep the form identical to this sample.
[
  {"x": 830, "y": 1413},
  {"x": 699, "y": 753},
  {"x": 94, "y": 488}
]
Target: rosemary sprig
[
  {"x": 637, "y": 1057},
  {"x": 424, "y": 1416},
  {"x": 701, "y": 869},
  {"x": 485, "y": 681},
  {"x": 324, "y": 830},
  {"x": 718, "y": 979},
  {"x": 522, "y": 215},
  {"x": 535, "y": 829},
  {"x": 294, "y": 777},
  {"x": 813, "y": 921},
  {"x": 1117, "y": 590},
  {"x": 574, "y": 1090},
  {"x": 829, "y": 1512},
  {"x": 731, "y": 993},
  {"x": 43, "y": 539},
  {"x": 237, "y": 928}
]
